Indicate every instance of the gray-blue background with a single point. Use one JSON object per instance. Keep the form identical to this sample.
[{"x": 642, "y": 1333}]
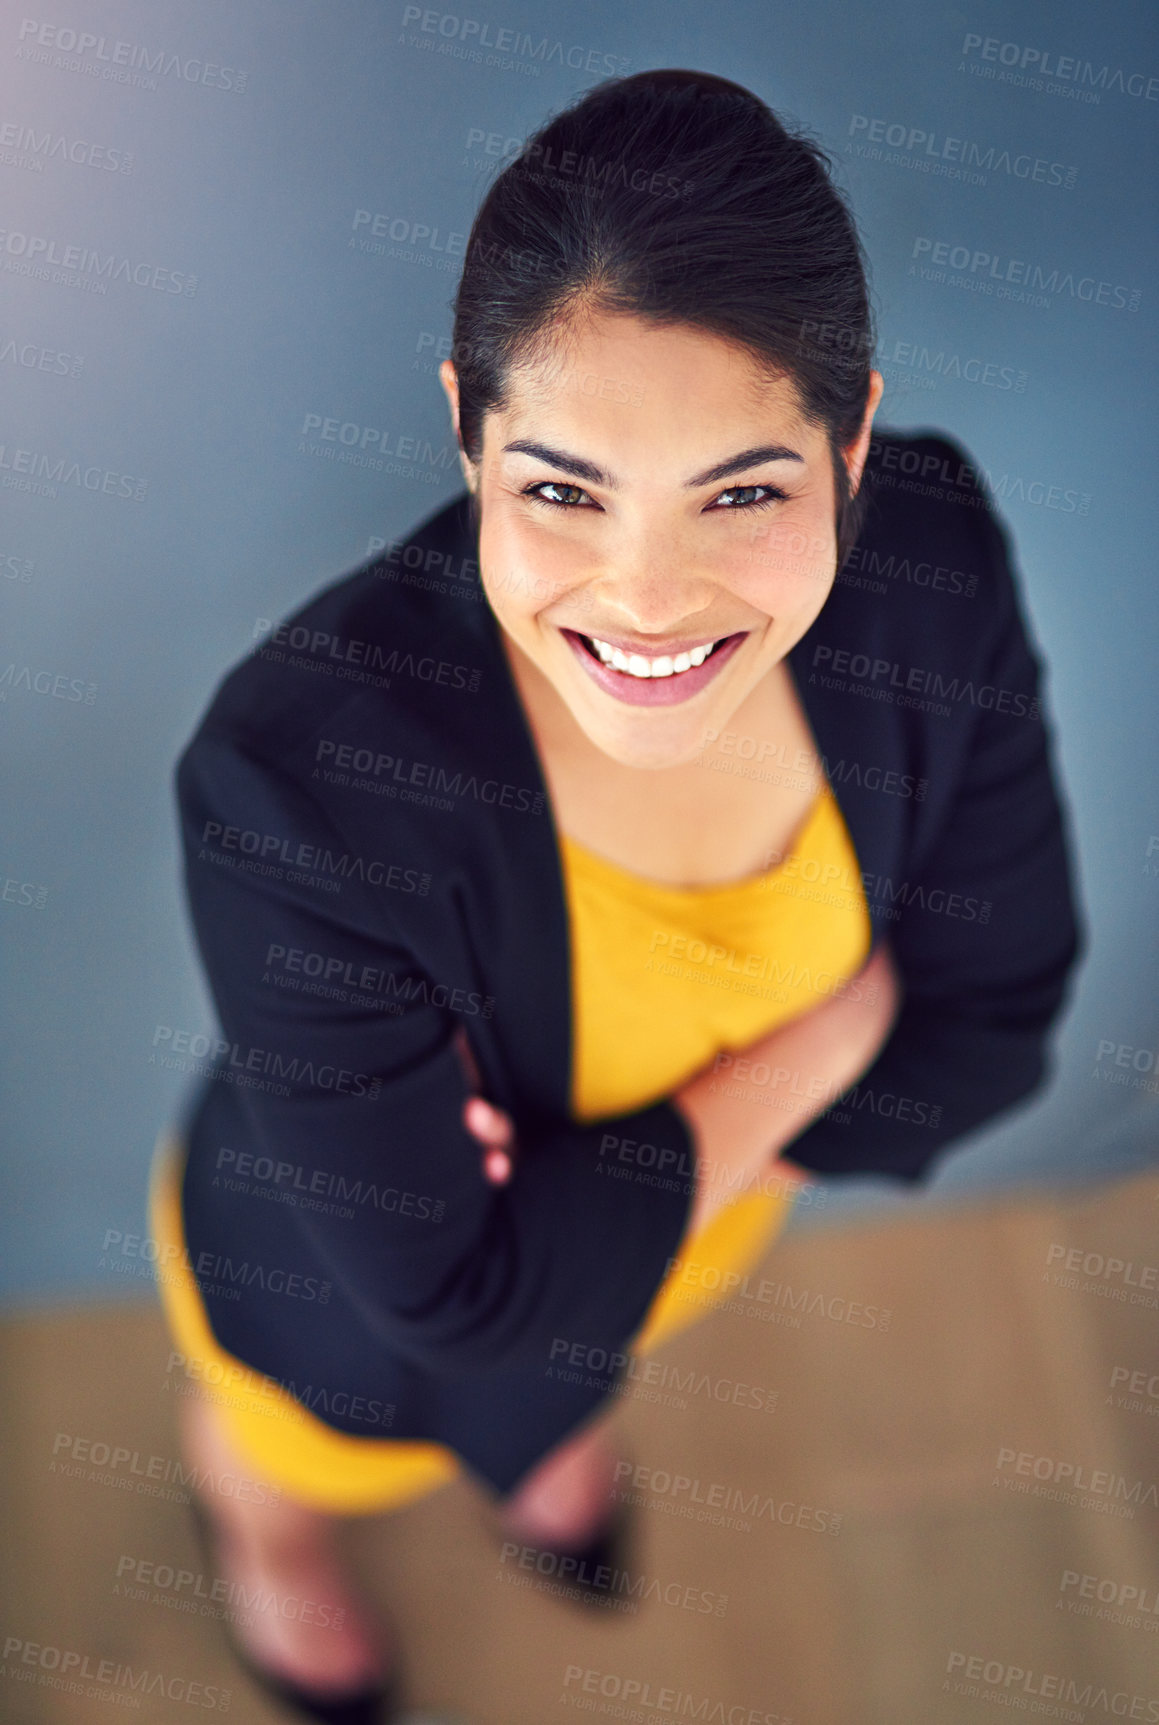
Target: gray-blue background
[{"x": 198, "y": 398}]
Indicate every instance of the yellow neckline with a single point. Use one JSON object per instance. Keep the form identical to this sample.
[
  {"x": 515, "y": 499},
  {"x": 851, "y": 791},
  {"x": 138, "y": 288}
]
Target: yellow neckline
[{"x": 713, "y": 889}]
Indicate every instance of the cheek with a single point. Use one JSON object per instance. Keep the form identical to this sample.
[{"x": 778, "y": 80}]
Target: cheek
[
  {"x": 785, "y": 566},
  {"x": 524, "y": 570}
]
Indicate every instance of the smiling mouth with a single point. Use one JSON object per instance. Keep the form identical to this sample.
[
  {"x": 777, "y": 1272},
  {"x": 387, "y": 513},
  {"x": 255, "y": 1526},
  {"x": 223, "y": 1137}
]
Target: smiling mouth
[{"x": 637, "y": 665}]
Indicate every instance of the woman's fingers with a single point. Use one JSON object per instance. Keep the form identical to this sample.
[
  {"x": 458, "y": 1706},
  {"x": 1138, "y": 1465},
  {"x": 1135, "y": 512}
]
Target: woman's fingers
[
  {"x": 488, "y": 1123},
  {"x": 493, "y": 1127},
  {"x": 498, "y": 1167},
  {"x": 466, "y": 1055}
]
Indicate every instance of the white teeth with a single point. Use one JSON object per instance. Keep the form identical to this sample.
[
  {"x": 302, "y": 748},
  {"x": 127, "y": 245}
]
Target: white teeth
[{"x": 637, "y": 666}]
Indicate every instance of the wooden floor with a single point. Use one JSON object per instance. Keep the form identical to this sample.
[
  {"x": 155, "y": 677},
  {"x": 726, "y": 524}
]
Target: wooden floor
[{"x": 940, "y": 1516}]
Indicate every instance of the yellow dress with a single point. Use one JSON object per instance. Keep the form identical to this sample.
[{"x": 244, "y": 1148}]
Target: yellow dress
[{"x": 662, "y": 979}]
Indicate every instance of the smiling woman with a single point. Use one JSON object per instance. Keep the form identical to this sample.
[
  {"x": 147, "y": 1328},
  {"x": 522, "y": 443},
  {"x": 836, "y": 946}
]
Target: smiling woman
[{"x": 730, "y": 761}]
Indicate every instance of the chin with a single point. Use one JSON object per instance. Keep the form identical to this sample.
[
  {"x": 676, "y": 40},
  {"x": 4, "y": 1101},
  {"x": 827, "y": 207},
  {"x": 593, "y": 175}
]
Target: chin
[{"x": 681, "y": 745}]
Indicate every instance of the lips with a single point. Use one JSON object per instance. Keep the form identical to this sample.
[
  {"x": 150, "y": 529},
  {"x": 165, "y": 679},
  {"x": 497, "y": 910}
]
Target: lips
[{"x": 652, "y": 691}]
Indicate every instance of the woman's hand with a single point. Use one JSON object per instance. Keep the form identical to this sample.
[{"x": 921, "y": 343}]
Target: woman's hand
[
  {"x": 839, "y": 1040},
  {"x": 737, "y": 1135},
  {"x": 492, "y": 1126}
]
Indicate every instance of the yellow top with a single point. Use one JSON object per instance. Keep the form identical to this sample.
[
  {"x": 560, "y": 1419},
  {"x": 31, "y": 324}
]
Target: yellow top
[{"x": 663, "y": 978}]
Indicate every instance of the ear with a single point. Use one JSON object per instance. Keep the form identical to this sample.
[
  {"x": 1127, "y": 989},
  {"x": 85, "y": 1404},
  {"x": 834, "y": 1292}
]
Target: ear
[
  {"x": 857, "y": 452},
  {"x": 450, "y": 383}
]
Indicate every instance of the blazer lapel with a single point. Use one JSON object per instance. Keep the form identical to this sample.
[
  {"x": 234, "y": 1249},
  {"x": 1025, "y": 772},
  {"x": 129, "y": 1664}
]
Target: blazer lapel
[{"x": 515, "y": 924}]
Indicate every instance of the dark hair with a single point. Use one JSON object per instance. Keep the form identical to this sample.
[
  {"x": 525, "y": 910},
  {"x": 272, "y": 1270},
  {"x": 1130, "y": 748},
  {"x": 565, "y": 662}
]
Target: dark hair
[{"x": 678, "y": 197}]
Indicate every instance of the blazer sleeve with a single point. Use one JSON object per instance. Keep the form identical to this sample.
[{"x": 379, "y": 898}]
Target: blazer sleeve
[
  {"x": 987, "y": 931},
  {"x": 445, "y": 1269}
]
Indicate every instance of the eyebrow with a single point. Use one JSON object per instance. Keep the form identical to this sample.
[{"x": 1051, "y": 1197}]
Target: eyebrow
[{"x": 581, "y": 469}]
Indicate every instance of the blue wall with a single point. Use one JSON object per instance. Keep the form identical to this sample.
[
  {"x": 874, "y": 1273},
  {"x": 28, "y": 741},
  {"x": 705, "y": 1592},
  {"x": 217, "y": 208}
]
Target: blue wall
[{"x": 221, "y": 152}]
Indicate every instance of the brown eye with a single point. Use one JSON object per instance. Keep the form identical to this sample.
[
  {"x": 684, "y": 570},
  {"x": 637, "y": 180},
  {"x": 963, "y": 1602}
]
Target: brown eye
[{"x": 534, "y": 492}]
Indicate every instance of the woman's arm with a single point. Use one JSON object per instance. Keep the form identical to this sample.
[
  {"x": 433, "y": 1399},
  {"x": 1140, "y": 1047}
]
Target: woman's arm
[
  {"x": 443, "y": 1268},
  {"x": 739, "y": 1126},
  {"x": 812, "y": 1060},
  {"x": 983, "y": 917}
]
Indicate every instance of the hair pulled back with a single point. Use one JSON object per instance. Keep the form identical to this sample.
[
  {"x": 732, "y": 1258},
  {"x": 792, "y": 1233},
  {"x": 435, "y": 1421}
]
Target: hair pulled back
[{"x": 677, "y": 197}]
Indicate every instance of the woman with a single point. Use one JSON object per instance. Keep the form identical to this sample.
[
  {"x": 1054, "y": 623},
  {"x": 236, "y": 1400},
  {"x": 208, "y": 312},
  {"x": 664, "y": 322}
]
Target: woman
[{"x": 540, "y": 868}]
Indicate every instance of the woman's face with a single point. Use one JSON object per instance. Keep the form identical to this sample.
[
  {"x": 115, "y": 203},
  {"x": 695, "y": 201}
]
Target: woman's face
[{"x": 649, "y": 491}]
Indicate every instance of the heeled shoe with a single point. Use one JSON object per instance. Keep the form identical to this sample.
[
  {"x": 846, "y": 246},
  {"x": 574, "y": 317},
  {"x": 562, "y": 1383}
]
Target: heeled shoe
[
  {"x": 599, "y": 1562},
  {"x": 373, "y": 1704}
]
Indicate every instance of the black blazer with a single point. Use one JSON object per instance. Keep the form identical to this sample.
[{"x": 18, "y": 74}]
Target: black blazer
[{"x": 371, "y": 862}]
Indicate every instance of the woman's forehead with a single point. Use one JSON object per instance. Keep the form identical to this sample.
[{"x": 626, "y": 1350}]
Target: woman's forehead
[
  {"x": 633, "y": 380},
  {"x": 639, "y": 346}
]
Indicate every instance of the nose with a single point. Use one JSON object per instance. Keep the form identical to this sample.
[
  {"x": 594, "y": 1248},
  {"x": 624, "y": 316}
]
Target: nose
[{"x": 652, "y": 589}]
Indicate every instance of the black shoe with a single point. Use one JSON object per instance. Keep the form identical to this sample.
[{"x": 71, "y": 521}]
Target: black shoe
[
  {"x": 376, "y": 1704},
  {"x": 599, "y": 1565}
]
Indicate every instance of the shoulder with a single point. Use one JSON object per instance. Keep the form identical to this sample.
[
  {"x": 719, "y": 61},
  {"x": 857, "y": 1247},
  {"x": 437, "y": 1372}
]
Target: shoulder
[{"x": 933, "y": 567}]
